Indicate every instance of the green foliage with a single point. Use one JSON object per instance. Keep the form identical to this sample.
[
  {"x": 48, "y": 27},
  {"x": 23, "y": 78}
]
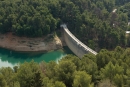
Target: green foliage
[
  {"x": 2, "y": 81},
  {"x": 65, "y": 71},
  {"x": 82, "y": 79},
  {"x": 89, "y": 65},
  {"x": 103, "y": 58},
  {"x": 27, "y": 18},
  {"x": 118, "y": 79},
  {"x": 59, "y": 84},
  {"x": 110, "y": 71},
  {"x": 7, "y": 75},
  {"x": 29, "y": 75}
]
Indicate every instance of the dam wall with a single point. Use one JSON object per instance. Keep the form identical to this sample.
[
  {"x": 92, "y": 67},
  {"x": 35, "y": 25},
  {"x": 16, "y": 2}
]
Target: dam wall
[{"x": 75, "y": 45}]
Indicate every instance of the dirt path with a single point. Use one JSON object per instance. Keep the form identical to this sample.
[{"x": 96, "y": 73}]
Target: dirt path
[{"x": 16, "y": 43}]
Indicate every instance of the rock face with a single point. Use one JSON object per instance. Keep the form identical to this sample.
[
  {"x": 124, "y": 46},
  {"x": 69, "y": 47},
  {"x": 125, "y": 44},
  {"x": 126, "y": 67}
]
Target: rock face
[
  {"x": 58, "y": 43},
  {"x": 24, "y": 44}
]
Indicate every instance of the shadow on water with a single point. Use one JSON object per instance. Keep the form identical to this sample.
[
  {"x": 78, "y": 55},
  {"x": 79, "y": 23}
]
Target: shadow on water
[
  {"x": 18, "y": 57},
  {"x": 67, "y": 50}
]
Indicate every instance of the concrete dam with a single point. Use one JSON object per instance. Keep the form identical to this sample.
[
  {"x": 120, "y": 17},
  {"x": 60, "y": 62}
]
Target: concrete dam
[{"x": 76, "y": 46}]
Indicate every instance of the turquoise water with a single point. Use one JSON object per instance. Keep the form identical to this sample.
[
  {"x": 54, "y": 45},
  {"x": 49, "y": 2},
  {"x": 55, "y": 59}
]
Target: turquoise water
[{"x": 11, "y": 58}]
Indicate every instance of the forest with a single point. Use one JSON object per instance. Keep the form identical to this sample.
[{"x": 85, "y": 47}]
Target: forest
[
  {"x": 91, "y": 21},
  {"x": 106, "y": 69}
]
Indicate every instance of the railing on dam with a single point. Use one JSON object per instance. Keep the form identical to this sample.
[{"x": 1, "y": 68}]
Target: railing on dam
[{"x": 79, "y": 43}]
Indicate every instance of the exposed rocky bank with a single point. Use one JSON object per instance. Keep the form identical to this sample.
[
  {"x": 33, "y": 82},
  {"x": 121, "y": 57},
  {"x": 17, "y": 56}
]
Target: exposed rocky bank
[{"x": 24, "y": 44}]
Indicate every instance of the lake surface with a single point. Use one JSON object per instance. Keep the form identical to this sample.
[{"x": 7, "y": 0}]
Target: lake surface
[{"x": 11, "y": 58}]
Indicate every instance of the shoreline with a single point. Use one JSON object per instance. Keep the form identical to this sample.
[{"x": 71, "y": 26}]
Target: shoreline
[{"x": 24, "y": 44}]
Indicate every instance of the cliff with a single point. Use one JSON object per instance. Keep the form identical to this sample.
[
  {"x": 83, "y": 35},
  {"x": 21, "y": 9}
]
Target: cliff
[{"x": 44, "y": 44}]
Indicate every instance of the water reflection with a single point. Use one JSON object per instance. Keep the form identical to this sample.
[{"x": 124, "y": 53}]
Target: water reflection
[
  {"x": 11, "y": 58},
  {"x": 7, "y": 59},
  {"x": 6, "y": 64}
]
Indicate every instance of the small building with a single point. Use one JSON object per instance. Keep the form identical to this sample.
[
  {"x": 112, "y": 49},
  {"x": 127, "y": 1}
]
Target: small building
[
  {"x": 114, "y": 10},
  {"x": 127, "y": 32},
  {"x": 128, "y": 23}
]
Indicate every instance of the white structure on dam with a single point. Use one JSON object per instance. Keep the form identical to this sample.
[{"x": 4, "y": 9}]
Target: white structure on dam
[{"x": 76, "y": 46}]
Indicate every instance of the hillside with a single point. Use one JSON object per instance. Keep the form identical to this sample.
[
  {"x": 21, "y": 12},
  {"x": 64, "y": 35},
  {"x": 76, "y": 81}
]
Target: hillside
[{"x": 93, "y": 22}]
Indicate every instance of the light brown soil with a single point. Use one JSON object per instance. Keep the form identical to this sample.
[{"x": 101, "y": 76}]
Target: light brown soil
[{"x": 12, "y": 42}]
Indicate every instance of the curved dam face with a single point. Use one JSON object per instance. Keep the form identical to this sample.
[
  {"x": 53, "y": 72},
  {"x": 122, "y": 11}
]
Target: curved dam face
[{"x": 76, "y": 46}]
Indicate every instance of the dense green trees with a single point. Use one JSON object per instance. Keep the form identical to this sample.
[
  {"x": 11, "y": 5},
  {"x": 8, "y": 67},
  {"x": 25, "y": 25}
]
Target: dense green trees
[
  {"x": 107, "y": 68},
  {"x": 29, "y": 75},
  {"x": 2, "y": 81},
  {"x": 82, "y": 79},
  {"x": 26, "y": 18}
]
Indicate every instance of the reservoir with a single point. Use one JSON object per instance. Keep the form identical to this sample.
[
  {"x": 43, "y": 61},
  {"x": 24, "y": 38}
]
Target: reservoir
[{"x": 11, "y": 58}]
